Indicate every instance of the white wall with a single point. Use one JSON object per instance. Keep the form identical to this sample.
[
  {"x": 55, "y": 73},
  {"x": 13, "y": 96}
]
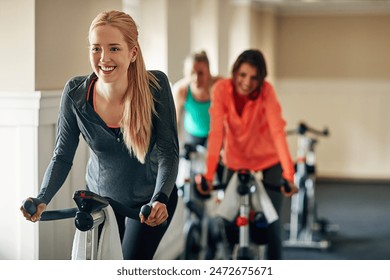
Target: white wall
[
  {"x": 61, "y": 39},
  {"x": 27, "y": 133},
  {"x": 356, "y": 113},
  {"x": 333, "y": 69},
  {"x": 18, "y": 179},
  {"x": 18, "y": 46}
]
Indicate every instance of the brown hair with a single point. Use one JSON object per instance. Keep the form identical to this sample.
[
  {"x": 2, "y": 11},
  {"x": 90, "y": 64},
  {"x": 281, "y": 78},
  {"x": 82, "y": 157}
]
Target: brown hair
[{"x": 256, "y": 59}]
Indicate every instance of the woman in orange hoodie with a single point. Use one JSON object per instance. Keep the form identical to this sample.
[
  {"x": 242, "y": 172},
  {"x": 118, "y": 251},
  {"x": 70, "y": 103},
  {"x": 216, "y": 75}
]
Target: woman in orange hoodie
[{"x": 246, "y": 121}]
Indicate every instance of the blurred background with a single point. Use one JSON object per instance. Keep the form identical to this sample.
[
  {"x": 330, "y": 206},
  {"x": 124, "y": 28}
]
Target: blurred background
[{"x": 328, "y": 60}]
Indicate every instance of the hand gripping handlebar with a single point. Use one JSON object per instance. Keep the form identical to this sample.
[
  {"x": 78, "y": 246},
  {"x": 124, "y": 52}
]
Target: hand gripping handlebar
[{"x": 87, "y": 202}]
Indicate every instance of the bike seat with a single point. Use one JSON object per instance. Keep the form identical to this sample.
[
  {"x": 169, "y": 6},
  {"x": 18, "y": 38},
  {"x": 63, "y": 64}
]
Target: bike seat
[{"x": 244, "y": 176}]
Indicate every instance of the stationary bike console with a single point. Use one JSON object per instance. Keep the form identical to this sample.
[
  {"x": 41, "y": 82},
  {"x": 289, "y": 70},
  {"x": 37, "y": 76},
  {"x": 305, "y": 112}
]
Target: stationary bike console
[{"x": 87, "y": 203}]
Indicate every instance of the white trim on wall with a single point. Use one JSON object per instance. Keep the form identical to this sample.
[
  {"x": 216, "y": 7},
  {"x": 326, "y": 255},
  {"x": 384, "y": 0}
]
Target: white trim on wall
[
  {"x": 27, "y": 134},
  {"x": 18, "y": 165}
]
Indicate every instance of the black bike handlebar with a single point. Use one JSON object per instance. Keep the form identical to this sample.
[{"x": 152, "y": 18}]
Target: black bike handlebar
[
  {"x": 190, "y": 148},
  {"x": 303, "y": 128},
  {"x": 284, "y": 183},
  {"x": 30, "y": 205}
]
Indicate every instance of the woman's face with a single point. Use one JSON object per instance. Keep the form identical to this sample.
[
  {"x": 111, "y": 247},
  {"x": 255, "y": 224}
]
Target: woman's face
[
  {"x": 110, "y": 56},
  {"x": 200, "y": 75},
  {"x": 245, "y": 79}
]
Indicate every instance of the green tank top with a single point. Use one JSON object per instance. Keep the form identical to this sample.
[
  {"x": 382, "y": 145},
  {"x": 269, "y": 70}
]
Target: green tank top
[{"x": 197, "y": 117}]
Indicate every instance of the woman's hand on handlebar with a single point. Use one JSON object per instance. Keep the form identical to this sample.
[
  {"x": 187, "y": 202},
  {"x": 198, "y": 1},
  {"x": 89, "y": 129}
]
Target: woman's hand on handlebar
[
  {"x": 41, "y": 207},
  {"x": 203, "y": 186},
  {"x": 293, "y": 189},
  {"x": 158, "y": 215}
]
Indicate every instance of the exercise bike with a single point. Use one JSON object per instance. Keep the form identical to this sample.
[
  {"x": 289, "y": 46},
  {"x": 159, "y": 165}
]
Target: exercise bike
[
  {"x": 305, "y": 229},
  {"x": 196, "y": 212},
  {"x": 192, "y": 163},
  {"x": 88, "y": 216},
  {"x": 247, "y": 229}
]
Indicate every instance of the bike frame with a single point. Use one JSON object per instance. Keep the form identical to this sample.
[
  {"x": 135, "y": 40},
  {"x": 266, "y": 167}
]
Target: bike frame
[
  {"x": 242, "y": 198},
  {"x": 301, "y": 234},
  {"x": 194, "y": 229},
  {"x": 244, "y": 189},
  {"x": 88, "y": 215}
]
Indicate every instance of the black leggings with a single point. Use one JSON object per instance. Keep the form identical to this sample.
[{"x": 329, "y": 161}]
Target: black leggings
[{"x": 140, "y": 241}]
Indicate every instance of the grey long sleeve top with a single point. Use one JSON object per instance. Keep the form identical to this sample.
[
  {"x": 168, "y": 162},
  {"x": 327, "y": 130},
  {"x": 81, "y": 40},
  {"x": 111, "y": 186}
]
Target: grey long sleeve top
[{"x": 111, "y": 170}]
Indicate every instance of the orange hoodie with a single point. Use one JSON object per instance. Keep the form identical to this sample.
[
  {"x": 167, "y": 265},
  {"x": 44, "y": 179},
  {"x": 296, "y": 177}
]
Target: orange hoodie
[{"x": 255, "y": 140}]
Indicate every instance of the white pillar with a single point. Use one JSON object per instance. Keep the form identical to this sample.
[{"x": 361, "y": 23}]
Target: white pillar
[
  {"x": 18, "y": 168},
  {"x": 164, "y": 33}
]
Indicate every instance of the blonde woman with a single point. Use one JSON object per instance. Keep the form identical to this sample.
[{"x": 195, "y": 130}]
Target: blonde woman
[{"x": 127, "y": 117}]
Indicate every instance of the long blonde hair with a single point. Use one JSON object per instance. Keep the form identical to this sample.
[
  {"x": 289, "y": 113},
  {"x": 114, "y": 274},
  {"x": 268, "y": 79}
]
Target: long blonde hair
[{"x": 136, "y": 122}]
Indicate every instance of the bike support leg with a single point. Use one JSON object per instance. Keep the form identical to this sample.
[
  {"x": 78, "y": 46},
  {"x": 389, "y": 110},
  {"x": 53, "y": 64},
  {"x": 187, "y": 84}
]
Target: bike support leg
[
  {"x": 243, "y": 223},
  {"x": 92, "y": 242}
]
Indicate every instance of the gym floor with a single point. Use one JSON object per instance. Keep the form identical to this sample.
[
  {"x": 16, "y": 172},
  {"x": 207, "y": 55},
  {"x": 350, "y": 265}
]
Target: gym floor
[{"x": 362, "y": 212}]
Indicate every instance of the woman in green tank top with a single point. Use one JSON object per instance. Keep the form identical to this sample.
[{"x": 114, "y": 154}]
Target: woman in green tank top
[{"x": 192, "y": 99}]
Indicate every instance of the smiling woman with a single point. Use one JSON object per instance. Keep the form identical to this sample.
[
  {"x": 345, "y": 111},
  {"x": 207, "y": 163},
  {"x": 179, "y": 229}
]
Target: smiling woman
[
  {"x": 109, "y": 52},
  {"x": 246, "y": 120},
  {"x": 109, "y": 29},
  {"x": 110, "y": 58},
  {"x": 127, "y": 117}
]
